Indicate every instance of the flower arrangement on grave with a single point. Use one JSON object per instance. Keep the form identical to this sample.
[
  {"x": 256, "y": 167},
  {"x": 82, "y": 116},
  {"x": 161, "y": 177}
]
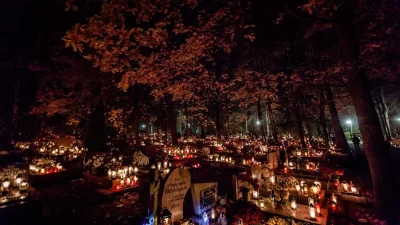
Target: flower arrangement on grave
[
  {"x": 289, "y": 182},
  {"x": 4, "y": 153},
  {"x": 140, "y": 159},
  {"x": 247, "y": 214},
  {"x": 45, "y": 146},
  {"x": 280, "y": 196},
  {"x": 13, "y": 188},
  {"x": 277, "y": 220},
  {"x": 267, "y": 171},
  {"x": 44, "y": 166},
  {"x": 22, "y": 145},
  {"x": 95, "y": 165}
]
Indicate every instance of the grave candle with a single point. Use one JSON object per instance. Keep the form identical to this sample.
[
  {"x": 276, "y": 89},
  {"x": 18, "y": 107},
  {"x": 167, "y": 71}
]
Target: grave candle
[
  {"x": 334, "y": 198},
  {"x": 255, "y": 194},
  {"x": 312, "y": 212},
  {"x": 262, "y": 205},
  {"x": 297, "y": 187},
  {"x": 293, "y": 205},
  {"x": 318, "y": 209},
  {"x": 345, "y": 186}
]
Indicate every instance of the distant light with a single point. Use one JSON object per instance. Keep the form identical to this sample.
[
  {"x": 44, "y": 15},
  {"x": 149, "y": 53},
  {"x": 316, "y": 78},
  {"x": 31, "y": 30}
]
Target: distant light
[
  {"x": 258, "y": 122},
  {"x": 348, "y": 121},
  {"x": 398, "y": 119},
  {"x": 188, "y": 124},
  {"x": 143, "y": 126}
]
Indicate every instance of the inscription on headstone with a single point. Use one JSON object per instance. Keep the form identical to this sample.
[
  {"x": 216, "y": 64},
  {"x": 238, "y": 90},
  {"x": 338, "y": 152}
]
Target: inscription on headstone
[
  {"x": 11, "y": 171},
  {"x": 204, "y": 196},
  {"x": 175, "y": 189}
]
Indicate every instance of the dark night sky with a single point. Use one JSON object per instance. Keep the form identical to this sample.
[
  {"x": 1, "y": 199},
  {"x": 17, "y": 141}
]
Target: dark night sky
[{"x": 29, "y": 29}]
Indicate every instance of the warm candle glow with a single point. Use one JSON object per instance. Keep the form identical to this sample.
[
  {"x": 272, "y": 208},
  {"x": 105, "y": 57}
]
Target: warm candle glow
[
  {"x": 345, "y": 186},
  {"x": 334, "y": 198},
  {"x": 293, "y": 204},
  {"x": 297, "y": 187},
  {"x": 272, "y": 179},
  {"x": 255, "y": 194},
  {"x": 353, "y": 189},
  {"x": 318, "y": 209},
  {"x": 312, "y": 212}
]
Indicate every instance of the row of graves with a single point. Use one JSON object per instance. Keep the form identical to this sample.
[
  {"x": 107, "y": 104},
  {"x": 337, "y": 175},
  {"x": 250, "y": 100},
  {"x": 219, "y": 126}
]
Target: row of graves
[{"x": 199, "y": 182}]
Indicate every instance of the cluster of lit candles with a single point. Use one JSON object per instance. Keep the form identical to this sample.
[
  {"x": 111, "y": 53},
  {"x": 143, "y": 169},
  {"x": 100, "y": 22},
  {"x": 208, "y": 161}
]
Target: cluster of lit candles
[
  {"x": 349, "y": 187},
  {"x": 222, "y": 158},
  {"x": 39, "y": 167},
  {"x": 13, "y": 189},
  {"x": 180, "y": 153},
  {"x": 121, "y": 172},
  {"x": 125, "y": 175}
]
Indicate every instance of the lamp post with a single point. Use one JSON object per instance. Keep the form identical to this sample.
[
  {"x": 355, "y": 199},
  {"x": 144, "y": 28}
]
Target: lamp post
[{"x": 351, "y": 127}]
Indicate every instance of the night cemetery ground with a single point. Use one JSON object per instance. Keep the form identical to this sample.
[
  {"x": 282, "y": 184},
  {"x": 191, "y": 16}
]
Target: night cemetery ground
[{"x": 75, "y": 200}]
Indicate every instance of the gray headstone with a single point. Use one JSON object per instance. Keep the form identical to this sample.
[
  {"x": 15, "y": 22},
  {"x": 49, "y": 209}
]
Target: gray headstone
[
  {"x": 204, "y": 196},
  {"x": 175, "y": 189}
]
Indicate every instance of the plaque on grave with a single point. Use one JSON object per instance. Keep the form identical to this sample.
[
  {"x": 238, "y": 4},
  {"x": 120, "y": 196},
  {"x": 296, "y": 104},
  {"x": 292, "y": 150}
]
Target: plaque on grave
[
  {"x": 204, "y": 196},
  {"x": 13, "y": 170},
  {"x": 175, "y": 189}
]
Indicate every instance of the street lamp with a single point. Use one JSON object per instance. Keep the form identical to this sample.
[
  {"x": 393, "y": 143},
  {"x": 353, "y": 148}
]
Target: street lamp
[
  {"x": 351, "y": 127},
  {"x": 258, "y": 123}
]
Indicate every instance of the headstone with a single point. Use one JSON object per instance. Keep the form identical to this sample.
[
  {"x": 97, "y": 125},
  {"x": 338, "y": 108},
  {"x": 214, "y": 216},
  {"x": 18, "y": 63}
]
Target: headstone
[
  {"x": 11, "y": 171},
  {"x": 236, "y": 190},
  {"x": 204, "y": 196},
  {"x": 175, "y": 189}
]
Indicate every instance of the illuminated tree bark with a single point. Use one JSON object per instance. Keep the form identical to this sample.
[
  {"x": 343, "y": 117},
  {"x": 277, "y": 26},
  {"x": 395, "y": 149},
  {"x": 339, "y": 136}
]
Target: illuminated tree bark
[
  {"x": 323, "y": 123},
  {"x": 376, "y": 149},
  {"x": 299, "y": 121},
  {"x": 259, "y": 117},
  {"x": 272, "y": 121},
  {"x": 341, "y": 141},
  {"x": 171, "y": 114}
]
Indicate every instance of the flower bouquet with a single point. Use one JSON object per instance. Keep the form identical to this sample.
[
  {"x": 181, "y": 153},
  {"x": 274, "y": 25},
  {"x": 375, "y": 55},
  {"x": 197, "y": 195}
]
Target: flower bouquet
[{"x": 280, "y": 196}]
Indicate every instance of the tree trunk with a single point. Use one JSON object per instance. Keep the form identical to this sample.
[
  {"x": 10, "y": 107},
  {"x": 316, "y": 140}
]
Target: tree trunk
[
  {"x": 187, "y": 125},
  {"x": 267, "y": 123},
  {"x": 341, "y": 141},
  {"x": 376, "y": 149},
  {"x": 323, "y": 123},
  {"x": 202, "y": 133},
  {"x": 308, "y": 127},
  {"x": 272, "y": 121},
  {"x": 217, "y": 122},
  {"x": 259, "y": 122},
  {"x": 383, "y": 112},
  {"x": 171, "y": 120},
  {"x": 299, "y": 122},
  {"x": 15, "y": 108},
  {"x": 136, "y": 114}
]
